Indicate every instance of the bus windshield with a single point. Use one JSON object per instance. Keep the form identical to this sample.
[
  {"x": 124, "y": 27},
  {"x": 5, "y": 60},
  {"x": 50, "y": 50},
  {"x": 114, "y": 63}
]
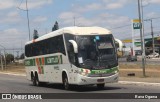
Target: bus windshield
[{"x": 96, "y": 51}]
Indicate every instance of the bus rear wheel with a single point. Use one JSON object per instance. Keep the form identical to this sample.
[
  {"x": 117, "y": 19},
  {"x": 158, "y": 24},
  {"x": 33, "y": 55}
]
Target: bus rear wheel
[
  {"x": 65, "y": 82},
  {"x": 100, "y": 86},
  {"x": 37, "y": 82},
  {"x": 33, "y": 80}
]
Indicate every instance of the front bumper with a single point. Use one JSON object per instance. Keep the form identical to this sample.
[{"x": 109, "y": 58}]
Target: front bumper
[{"x": 84, "y": 80}]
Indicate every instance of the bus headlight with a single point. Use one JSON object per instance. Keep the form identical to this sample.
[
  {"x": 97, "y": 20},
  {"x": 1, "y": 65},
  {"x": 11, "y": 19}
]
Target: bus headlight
[
  {"x": 116, "y": 71},
  {"x": 84, "y": 72}
]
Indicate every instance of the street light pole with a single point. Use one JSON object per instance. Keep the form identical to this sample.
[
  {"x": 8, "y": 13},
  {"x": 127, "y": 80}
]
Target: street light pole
[{"x": 142, "y": 41}]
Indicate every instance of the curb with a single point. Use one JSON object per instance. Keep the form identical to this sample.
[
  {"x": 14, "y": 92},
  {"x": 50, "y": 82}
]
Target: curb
[
  {"x": 139, "y": 83},
  {"x": 12, "y": 74}
]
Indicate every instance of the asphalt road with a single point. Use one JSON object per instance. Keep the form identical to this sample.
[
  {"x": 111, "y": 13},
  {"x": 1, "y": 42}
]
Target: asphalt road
[{"x": 19, "y": 84}]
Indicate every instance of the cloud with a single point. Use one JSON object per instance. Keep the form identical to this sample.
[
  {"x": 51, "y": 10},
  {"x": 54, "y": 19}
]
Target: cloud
[
  {"x": 34, "y": 4},
  {"x": 12, "y": 14},
  {"x": 40, "y": 19},
  {"x": 152, "y": 15},
  {"x": 67, "y": 18},
  {"x": 92, "y": 15},
  {"x": 12, "y": 37},
  {"x": 68, "y": 15},
  {"x": 9, "y": 31},
  {"x": 101, "y": 5},
  {"x": 101, "y": 19},
  {"x": 88, "y": 7},
  {"x": 10, "y": 17},
  {"x": 154, "y": 1},
  {"x": 116, "y": 4},
  {"x": 5, "y": 4}
]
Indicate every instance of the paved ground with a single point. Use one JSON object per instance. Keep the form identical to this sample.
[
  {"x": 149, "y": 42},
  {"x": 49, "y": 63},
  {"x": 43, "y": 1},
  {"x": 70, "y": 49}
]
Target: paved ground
[
  {"x": 152, "y": 72},
  {"x": 136, "y": 79},
  {"x": 19, "y": 84},
  {"x": 15, "y": 82}
]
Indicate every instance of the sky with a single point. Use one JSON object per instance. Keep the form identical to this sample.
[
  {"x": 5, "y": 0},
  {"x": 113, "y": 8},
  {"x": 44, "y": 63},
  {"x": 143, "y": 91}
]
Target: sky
[{"x": 115, "y": 15}]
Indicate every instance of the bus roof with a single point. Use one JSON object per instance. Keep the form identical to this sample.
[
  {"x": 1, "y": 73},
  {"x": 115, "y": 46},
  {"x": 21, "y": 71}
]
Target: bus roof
[{"x": 75, "y": 31}]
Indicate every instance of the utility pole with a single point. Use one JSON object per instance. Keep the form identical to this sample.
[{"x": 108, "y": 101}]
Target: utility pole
[
  {"x": 4, "y": 55},
  {"x": 74, "y": 21},
  {"x": 152, "y": 36},
  {"x": 1, "y": 61},
  {"x": 142, "y": 41},
  {"x": 17, "y": 55},
  {"x": 143, "y": 31},
  {"x": 28, "y": 19}
]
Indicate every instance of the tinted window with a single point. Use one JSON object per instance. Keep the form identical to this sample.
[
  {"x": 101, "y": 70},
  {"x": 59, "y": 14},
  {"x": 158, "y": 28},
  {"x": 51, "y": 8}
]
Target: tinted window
[{"x": 47, "y": 46}]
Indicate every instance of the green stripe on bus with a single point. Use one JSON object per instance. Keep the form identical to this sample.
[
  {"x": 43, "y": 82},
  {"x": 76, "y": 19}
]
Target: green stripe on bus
[
  {"x": 30, "y": 62},
  {"x": 40, "y": 61},
  {"x": 47, "y": 61},
  {"x": 104, "y": 71},
  {"x": 53, "y": 60},
  {"x": 42, "y": 70}
]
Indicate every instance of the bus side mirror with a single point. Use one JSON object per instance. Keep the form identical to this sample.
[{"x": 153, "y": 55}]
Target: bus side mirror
[
  {"x": 120, "y": 44},
  {"x": 75, "y": 49},
  {"x": 75, "y": 46}
]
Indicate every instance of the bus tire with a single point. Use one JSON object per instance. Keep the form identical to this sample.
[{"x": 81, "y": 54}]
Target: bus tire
[
  {"x": 37, "y": 82},
  {"x": 65, "y": 82},
  {"x": 33, "y": 79},
  {"x": 101, "y": 86}
]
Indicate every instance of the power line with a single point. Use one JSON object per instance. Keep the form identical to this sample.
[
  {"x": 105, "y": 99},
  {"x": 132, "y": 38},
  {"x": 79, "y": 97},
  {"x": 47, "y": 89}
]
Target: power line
[
  {"x": 152, "y": 18},
  {"x": 12, "y": 49},
  {"x": 20, "y": 4},
  {"x": 130, "y": 24},
  {"x": 121, "y": 26}
]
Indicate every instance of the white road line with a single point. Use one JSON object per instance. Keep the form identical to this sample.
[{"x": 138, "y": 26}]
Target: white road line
[
  {"x": 7, "y": 73},
  {"x": 139, "y": 83}
]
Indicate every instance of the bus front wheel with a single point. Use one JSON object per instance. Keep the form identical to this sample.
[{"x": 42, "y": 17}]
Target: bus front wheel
[{"x": 65, "y": 82}]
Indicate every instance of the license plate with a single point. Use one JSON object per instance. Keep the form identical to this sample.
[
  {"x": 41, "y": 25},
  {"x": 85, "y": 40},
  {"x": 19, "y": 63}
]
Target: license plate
[{"x": 100, "y": 80}]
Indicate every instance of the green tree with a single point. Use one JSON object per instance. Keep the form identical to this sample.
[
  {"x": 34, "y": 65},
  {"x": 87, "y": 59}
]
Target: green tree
[
  {"x": 148, "y": 44},
  {"x": 22, "y": 56},
  {"x": 35, "y": 34},
  {"x": 55, "y": 27},
  {"x": 9, "y": 58}
]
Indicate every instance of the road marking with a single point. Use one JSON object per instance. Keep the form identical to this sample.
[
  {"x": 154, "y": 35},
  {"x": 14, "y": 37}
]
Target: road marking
[
  {"x": 139, "y": 83},
  {"x": 12, "y": 74}
]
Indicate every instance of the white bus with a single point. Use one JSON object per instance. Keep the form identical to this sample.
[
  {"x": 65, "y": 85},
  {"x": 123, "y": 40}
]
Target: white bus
[{"x": 73, "y": 56}]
